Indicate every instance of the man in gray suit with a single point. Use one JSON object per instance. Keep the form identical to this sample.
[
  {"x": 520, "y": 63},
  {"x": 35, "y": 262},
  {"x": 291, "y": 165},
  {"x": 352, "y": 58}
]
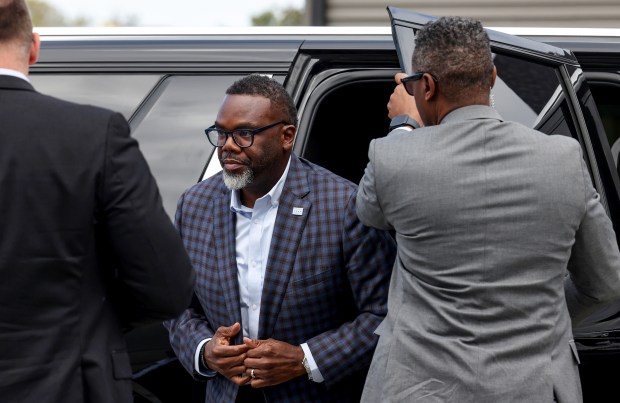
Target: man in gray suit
[{"x": 489, "y": 215}]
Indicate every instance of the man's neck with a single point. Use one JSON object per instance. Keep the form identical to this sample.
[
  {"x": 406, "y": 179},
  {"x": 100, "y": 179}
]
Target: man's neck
[
  {"x": 10, "y": 63},
  {"x": 257, "y": 189}
]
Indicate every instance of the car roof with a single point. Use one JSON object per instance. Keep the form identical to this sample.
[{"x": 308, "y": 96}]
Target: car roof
[{"x": 273, "y": 47}]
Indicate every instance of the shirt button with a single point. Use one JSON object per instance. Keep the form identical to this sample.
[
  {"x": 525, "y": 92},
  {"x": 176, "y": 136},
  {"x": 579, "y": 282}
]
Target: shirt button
[{"x": 254, "y": 307}]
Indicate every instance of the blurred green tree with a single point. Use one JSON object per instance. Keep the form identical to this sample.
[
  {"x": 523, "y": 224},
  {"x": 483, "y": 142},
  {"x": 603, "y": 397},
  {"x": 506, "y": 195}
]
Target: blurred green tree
[
  {"x": 46, "y": 15},
  {"x": 287, "y": 17},
  {"x": 131, "y": 21}
]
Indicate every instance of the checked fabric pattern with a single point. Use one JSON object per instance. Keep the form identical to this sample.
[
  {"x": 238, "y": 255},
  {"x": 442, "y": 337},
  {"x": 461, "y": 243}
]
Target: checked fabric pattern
[{"x": 326, "y": 282}]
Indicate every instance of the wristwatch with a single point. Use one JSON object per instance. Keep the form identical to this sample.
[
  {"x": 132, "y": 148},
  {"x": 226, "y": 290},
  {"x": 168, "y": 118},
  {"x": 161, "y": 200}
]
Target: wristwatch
[
  {"x": 307, "y": 367},
  {"x": 403, "y": 120}
]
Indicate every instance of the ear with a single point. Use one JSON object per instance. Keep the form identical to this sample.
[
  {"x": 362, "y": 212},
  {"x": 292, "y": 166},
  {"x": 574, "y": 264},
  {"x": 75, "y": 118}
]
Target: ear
[
  {"x": 288, "y": 137},
  {"x": 493, "y": 76},
  {"x": 429, "y": 87},
  {"x": 35, "y": 46}
]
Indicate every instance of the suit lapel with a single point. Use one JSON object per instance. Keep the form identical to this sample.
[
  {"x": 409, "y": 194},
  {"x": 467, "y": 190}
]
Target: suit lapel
[
  {"x": 287, "y": 233},
  {"x": 224, "y": 227}
]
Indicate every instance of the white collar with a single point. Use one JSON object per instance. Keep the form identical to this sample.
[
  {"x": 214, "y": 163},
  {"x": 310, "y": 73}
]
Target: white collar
[
  {"x": 13, "y": 73},
  {"x": 274, "y": 193}
]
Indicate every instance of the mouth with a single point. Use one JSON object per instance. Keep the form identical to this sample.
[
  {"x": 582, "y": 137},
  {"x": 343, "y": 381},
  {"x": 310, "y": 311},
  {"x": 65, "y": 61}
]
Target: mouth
[{"x": 230, "y": 164}]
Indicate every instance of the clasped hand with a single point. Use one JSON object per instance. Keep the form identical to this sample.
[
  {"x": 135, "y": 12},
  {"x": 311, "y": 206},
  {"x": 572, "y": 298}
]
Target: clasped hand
[{"x": 273, "y": 361}]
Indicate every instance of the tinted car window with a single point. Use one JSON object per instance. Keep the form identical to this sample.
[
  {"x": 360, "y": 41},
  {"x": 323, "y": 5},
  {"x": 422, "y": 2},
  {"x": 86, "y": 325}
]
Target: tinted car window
[
  {"x": 168, "y": 116},
  {"x": 607, "y": 98},
  {"x": 170, "y": 128},
  {"x": 122, "y": 93},
  {"x": 531, "y": 93},
  {"x": 539, "y": 103}
]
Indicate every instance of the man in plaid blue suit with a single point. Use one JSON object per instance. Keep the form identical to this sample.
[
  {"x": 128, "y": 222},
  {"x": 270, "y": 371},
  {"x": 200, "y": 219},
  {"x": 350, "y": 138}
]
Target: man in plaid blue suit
[{"x": 290, "y": 285}]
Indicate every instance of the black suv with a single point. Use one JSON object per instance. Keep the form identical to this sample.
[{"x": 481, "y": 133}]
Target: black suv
[{"x": 169, "y": 85}]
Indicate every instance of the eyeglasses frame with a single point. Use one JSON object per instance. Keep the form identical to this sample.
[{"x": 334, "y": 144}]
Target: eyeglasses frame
[
  {"x": 233, "y": 133},
  {"x": 415, "y": 77}
]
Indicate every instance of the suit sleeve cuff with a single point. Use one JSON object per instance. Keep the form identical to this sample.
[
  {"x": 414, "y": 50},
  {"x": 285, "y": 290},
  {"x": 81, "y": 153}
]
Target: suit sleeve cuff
[
  {"x": 314, "y": 369},
  {"x": 198, "y": 366}
]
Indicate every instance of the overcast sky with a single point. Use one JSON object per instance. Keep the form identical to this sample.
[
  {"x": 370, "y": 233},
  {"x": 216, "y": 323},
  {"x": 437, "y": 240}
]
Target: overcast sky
[{"x": 187, "y": 13}]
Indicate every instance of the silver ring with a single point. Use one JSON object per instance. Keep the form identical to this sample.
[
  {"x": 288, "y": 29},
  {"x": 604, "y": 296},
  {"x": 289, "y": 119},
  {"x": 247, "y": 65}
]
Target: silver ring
[{"x": 252, "y": 374}]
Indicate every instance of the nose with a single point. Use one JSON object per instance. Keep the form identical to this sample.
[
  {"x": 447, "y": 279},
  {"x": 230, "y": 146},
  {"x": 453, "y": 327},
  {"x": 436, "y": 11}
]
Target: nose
[{"x": 230, "y": 144}]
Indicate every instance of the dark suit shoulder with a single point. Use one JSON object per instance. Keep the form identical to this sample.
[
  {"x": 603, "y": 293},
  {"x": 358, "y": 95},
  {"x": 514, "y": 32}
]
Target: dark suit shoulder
[
  {"x": 71, "y": 108},
  {"x": 78, "y": 123}
]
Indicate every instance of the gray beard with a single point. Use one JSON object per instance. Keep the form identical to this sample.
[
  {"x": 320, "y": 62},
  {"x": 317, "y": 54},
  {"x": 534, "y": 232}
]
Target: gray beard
[{"x": 236, "y": 182}]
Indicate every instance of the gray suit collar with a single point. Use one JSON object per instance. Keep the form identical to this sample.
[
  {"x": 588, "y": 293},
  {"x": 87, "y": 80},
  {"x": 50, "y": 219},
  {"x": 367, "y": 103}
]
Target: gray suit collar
[{"x": 471, "y": 112}]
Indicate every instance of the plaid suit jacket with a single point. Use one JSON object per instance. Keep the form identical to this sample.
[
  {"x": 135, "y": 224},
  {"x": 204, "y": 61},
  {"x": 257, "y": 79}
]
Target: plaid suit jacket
[{"x": 326, "y": 282}]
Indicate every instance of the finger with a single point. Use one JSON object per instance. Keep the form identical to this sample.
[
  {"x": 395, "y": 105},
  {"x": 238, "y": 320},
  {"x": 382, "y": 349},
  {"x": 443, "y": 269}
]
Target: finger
[
  {"x": 228, "y": 331},
  {"x": 237, "y": 370},
  {"x": 254, "y": 363},
  {"x": 252, "y": 343},
  {"x": 259, "y": 383},
  {"x": 254, "y": 353},
  {"x": 240, "y": 380},
  {"x": 398, "y": 76},
  {"x": 230, "y": 351},
  {"x": 236, "y": 362},
  {"x": 253, "y": 374}
]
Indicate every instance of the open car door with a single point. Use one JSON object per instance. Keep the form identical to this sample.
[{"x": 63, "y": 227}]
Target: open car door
[{"x": 543, "y": 87}]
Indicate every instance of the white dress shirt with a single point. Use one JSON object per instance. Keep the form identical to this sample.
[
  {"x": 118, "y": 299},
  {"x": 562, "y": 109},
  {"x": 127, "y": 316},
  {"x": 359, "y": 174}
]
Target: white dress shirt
[
  {"x": 254, "y": 230},
  {"x": 14, "y": 73}
]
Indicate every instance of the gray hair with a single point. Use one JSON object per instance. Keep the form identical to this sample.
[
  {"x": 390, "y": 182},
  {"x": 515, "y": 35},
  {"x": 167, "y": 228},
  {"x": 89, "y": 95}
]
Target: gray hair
[{"x": 457, "y": 52}]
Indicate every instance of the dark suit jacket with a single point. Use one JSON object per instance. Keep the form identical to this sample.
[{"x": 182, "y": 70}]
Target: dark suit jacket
[
  {"x": 325, "y": 284},
  {"x": 82, "y": 229}
]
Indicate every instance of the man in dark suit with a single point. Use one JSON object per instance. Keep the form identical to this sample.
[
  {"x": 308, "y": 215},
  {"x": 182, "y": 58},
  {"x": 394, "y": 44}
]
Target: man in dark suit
[
  {"x": 82, "y": 231},
  {"x": 290, "y": 284}
]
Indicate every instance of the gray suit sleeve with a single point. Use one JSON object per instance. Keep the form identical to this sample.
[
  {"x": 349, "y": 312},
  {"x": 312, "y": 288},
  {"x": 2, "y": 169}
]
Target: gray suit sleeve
[
  {"x": 368, "y": 207},
  {"x": 594, "y": 265}
]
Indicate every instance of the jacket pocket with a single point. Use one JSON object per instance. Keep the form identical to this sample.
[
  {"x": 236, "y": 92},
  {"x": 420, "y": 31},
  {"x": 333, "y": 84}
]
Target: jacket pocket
[{"x": 120, "y": 364}]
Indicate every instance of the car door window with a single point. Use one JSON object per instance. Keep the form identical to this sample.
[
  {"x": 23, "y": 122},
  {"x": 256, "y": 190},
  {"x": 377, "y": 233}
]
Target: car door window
[
  {"x": 167, "y": 114},
  {"x": 170, "y": 128},
  {"x": 607, "y": 98},
  {"x": 531, "y": 93},
  {"x": 122, "y": 93}
]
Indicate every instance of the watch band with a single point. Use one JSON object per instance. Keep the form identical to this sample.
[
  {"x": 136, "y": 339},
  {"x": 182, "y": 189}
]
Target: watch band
[
  {"x": 403, "y": 120},
  {"x": 203, "y": 362}
]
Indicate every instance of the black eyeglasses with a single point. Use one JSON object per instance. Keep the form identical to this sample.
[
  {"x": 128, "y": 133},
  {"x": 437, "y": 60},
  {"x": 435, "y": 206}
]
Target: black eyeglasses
[
  {"x": 408, "y": 81},
  {"x": 242, "y": 137}
]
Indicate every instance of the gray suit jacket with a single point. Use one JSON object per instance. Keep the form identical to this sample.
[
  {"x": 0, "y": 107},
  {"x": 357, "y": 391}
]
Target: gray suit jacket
[{"x": 488, "y": 215}]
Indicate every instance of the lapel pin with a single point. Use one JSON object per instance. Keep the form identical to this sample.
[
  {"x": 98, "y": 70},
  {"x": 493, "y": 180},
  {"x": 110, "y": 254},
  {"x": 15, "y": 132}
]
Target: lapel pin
[{"x": 298, "y": 210}]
